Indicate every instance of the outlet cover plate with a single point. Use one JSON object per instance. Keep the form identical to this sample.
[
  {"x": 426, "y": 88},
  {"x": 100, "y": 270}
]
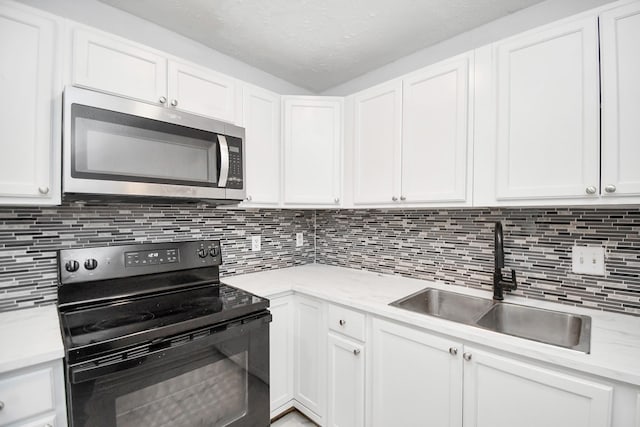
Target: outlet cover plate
[
  {"x": 588, "y": 260},
  {"x": 255, "y": 243},
  {"x": 299, "y": 239}
]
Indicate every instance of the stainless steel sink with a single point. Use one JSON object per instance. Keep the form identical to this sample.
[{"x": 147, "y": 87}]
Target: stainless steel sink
[
  {"x": 566, "y": 330},
  {"x": 551, "y": 327},
  {"x": 448, "y": 305}
]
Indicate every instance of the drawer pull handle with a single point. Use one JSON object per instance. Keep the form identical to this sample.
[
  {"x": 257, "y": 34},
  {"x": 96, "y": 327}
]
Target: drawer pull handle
[
  {"x": 342, "y": 322},
  {"x": 356, "y": 351},
  {"x": 48, "y": 425},
  {"x": 1, "y": 405}
]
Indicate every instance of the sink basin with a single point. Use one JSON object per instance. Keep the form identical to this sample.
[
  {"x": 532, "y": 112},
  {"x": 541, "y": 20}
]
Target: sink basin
[
  {"x": 447, "y": 305},
  {"x": 552, "y": 327},
  {"x": 567, "y": 330}
]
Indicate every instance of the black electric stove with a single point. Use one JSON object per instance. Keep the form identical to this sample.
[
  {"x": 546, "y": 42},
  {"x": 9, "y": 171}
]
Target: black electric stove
[{"x": 156, "y": 316}]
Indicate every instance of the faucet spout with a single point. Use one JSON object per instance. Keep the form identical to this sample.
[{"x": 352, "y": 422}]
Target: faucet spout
[
  {"x": 499, "y": 284},
  {"x": 499, "y": 248}
]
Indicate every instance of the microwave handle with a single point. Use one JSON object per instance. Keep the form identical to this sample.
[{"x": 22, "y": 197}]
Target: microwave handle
[{"x": 224, "y": 161}]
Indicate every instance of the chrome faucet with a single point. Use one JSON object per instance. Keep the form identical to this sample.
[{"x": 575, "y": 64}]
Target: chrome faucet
[{"x": 499, "y": 284}]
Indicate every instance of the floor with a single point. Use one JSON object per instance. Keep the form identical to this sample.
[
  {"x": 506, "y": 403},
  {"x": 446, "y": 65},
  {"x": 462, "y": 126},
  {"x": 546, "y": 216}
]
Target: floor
[{"x": 293, "y": 419}]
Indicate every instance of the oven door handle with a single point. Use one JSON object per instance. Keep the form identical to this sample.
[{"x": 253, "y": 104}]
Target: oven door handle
[{"x": 88, "y": 371}]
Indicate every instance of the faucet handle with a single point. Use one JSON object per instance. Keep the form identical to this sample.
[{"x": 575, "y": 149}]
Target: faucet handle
[{"x": 514, "y": 282}]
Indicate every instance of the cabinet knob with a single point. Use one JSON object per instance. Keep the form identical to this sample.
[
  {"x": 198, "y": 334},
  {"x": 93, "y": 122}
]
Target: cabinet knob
[
  {"x": 43, "y": 190},
  {"x": 453, "y": 351},
  {"x": 403, "y": 198},
  {"x": 342, "y": 322},
  {"x": 610, "y": 188},
  {"x": 394, "y": 198},
  {"x": 162, "y": 99},
  {"x": 591, "y": 190},
  {"x": 174, "y": 102},
  {"x": 47, "y": 425},
  {"x": 248, "y": 198},
  {"x": 466, "y": 356},
  {"x": 1, "y": 405},
  {"x": 356, "y": 351},
  {"x": 336, "y": 200}
]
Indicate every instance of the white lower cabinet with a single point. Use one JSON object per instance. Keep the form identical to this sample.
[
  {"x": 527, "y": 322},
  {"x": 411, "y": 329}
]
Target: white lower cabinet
[
  {"x": 416, "y": 378},
  {"x": 310, "y": 345},
  {"x": 346, "y": 382},
  {"x": 504, "y": 392},
  {"x": 351, "y": 369},
  {"x": 281, "y": 354},
  {"x": 33, "y": 396}
]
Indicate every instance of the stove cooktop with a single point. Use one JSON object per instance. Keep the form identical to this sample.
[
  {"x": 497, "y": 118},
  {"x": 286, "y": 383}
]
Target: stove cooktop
[{"x": 95, "y": 330}]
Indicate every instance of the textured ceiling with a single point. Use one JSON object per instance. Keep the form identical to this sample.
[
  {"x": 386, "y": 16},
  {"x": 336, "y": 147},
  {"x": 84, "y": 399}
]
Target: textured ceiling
[{"x": 318, "y": 44}]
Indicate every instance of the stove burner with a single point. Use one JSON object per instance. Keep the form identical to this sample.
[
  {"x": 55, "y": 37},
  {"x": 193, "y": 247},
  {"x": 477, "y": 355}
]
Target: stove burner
[
  {"x": 121, "y": 320},
  {"x": 209, "y": 303}
]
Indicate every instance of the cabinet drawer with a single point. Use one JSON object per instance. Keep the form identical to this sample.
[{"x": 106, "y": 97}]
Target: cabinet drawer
[
  {"x": 347, "y": 322},
  {"x": 46, "y": 421},
  {"x": 25, "y": 395}
]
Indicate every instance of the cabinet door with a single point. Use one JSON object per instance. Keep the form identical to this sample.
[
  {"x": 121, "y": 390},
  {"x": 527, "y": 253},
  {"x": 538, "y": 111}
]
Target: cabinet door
[
  {"x": 201, "y": 91},
  {"x": 117, "y": 66},
  {"x": 548, "y": 113},
  {"x": 261, "y": 111},
  {"x": 281, "y": 353},
  {"x": 310, "y": 351},
  {"x": 346, "y": 383},
  {"x": 377, "y": 138},
  {"x": 30, "y": 85},
  {"x": 503, "y": 392},
  {"x": 619, "y": 35},
  {"x": 312, "y": 147},
  {"x": 435, "y": 133},
  {"x": 416, "y": 378}
]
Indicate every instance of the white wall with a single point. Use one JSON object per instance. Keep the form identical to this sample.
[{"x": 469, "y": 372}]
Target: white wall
[
  {"x": 534, "y": 16},
  {"x": 112, "y": 20}
]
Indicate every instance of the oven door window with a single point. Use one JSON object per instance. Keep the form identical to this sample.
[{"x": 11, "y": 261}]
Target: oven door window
[
  {"x": 109, "y": 145},
  {"x": 200, "y": 383}
]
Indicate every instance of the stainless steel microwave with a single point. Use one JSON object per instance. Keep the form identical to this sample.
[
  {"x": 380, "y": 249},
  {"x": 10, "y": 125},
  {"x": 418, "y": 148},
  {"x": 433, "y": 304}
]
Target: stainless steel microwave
[{"x": 113, "y": 146}]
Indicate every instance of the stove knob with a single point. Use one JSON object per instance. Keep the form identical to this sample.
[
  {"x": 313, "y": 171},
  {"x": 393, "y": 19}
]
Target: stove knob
[
  {"x": 214, "y": 252},
  {"x": 72, "y": 266},
  {"x": 90, "y": 264},
  {"x": 202, "y": 253}
]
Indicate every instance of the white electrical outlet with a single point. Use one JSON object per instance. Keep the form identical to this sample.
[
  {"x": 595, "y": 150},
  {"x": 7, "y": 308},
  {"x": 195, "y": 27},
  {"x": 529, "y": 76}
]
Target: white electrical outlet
[
  {"x": 255, "y": 243},
  {"x": 299, "y": 239},
  {"x": 588, "y": 260}
]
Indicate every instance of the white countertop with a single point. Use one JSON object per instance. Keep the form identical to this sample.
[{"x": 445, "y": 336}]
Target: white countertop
[
  {"x": 29, "y": 337},
  {"x": 615, "y": 338}
]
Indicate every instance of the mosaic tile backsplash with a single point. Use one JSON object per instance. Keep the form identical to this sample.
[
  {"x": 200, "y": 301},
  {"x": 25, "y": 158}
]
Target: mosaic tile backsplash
[
  {"x": 29, "y": 238},
  {"x": 456, "y": 247}
]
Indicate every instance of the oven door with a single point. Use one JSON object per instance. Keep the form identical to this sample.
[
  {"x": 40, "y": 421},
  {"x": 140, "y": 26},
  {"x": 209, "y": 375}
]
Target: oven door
[
  {"x": 204, "y": 378},
  {"x": 117, "y": 146}
]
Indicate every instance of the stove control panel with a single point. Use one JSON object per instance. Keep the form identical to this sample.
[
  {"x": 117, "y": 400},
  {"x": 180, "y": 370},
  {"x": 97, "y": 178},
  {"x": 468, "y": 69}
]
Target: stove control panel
[
  {"x": 153, "y": 257},
  {"x": 109, "y": 262}
]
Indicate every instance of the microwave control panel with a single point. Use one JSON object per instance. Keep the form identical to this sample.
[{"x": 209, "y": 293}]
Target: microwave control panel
[{"x": 235, "y": 179}]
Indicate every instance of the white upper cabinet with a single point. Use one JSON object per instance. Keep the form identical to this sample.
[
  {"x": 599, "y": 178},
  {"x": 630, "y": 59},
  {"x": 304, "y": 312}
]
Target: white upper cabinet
[
  {"x": 261, "y": 110},
  {"x": 377, "y": 132},
  {"x": 620, "y": 74},
  {"x": 547, "y": 113},
  {"x": 201, "y": 91},
  {"x": 312, "y": 150},
  {"x": 435, "y": 133},
  {"x": 116, "y": 66},
  {"x": 30, "y": 118}
]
